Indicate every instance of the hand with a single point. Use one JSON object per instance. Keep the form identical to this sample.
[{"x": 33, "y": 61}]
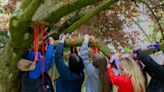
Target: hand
[
  {"x": 51, "y": 40},
  {"x": 117, "y": 55},
  {"x": 145, "y": 49},
  {"x": 108, "y": 65},
  {"x": 92, "y": 37},
  {"x": 86, "y": 38},
  {"x": 62, "y": 37},
  {"x": 135, "y": 48}
]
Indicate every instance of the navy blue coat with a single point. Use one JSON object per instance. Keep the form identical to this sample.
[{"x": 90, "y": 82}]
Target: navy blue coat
[
  {"x": 67, "y": 81},
  {"x": 155, "y": 70}
]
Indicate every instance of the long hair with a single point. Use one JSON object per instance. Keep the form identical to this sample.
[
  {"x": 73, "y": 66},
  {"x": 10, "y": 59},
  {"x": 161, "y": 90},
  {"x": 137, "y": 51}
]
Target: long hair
[
  {"x": 100, "y": 63},
  {"x": 132, "y": 69},
  {"x": 75, "y": 62}
]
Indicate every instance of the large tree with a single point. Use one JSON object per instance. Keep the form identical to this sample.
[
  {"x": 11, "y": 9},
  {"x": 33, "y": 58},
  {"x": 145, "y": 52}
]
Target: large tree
[{"x": 21, "y": 31}]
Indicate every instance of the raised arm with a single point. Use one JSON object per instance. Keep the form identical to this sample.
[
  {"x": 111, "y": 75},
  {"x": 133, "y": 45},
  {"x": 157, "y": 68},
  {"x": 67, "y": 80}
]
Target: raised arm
[
  {"x": 49, "y": 55},
  {"x": 114, "y": 79},
  {"x": 90, "y": 69},
  {"x": 59, "y": 61}
]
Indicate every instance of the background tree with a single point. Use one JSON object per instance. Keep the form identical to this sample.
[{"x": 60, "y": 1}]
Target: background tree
[{"x": 102, "y": 18}]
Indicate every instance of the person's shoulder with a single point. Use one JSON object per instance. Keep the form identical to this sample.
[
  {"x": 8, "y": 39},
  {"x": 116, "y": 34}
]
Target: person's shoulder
[{"x": 78, "y": 76}]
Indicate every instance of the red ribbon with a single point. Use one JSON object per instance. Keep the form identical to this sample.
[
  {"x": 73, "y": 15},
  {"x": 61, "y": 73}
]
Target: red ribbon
[
  {"x": 43, "y": 51},
  {"x": 36, "y": 46},
  {"x": 36, "y": 37},
  {"x": 95, "y": 49},
  {"x": 73, "y": 45}
]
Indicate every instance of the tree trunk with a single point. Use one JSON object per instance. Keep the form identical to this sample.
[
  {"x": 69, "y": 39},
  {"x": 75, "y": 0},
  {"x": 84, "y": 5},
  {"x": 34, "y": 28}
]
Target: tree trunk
[
  {"x": 20, "y": 39},
  {"x": 91, "y": 12}
]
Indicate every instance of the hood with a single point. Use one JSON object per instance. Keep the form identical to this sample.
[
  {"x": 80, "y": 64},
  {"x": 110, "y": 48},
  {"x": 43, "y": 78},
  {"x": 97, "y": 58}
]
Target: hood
[{"x": 31, "y": 55}]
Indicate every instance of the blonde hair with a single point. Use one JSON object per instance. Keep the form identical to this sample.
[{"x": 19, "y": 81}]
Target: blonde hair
[{"x": 132, "y": 69}]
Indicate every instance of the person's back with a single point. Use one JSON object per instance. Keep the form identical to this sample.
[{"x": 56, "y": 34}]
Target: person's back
[
  {"x": 70, "y": 77},
  {"x": 73, "y": 84},
  {"x": 31, "y": 72},
  {"x": 126, "y": 85},
  {"x": 92, "y": 83},
  {"x": 155, "y": 70},
  {"x": 30, "y": 85},
  {"x": 130, "y": 78},
  {"x": 97, "y": 77},
  {"x": 155, "y": 85},
  {"x": 123, "y": 83},
  {"x": 93, "y": 80}
]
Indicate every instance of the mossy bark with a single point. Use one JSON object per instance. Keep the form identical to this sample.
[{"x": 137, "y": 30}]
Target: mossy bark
[
  {"x": 66, "y": 9},
  {"x": 20, "y": 39},
  {"x": 100, "y": 45}
]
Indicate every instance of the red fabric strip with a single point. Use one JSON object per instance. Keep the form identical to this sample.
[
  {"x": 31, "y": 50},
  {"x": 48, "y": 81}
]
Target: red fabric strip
[
  {"x": 73, "y": 45},
  {"x": 43, "y": 51},
  {"x": 95, "y": 49},
  {"x": 36, "y": 34}
]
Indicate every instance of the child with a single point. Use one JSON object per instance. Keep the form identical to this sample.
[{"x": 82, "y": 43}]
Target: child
[
  {"x": 71, "y": 77},
  {"x": 97, "y": 77},
  {"x": 130, "y": 79},
  {"x": 31, "y": 79}
]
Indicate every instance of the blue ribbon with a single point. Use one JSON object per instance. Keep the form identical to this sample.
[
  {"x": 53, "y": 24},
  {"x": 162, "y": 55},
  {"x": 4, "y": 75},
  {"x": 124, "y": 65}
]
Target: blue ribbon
[
  {"x": 157, "y": 46},
  {"x": 153, "y": 48},
  {"x": 134, "y": 55}
]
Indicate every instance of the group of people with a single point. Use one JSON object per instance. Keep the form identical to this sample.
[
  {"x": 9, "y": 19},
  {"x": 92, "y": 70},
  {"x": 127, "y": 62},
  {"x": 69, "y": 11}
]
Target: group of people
[{"x": 100, "y": 72}]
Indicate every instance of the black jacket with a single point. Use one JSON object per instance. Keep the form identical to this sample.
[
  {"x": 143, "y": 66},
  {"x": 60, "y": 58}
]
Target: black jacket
[
  {"x": 31, "y": 85},
  {"x": 155, "y": 70}
]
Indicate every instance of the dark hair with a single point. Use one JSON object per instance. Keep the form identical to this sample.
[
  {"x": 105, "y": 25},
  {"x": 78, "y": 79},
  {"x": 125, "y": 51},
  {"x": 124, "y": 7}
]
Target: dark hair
[
  {"x": 75, "y": 64},
  {"x": 100, "y": 62}
]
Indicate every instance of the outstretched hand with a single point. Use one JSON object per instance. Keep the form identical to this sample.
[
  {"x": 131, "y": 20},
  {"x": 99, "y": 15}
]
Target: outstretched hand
[
  {"x": 51, "y": 40},
  {"x": 87, "y": 38},
  {"x": 108, "y": 65},
  {"x": 62, "y": 37}
]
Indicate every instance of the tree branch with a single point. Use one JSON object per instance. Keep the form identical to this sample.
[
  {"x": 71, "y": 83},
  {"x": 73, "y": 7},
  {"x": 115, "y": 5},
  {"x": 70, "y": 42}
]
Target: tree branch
[
  {"x": 56, "y": 13},
  {"x": 100, "y": 45},
  {"x": 21, "y": 37},
  {"x": 78, "y": 42},
  {"x": 160, "y": 28},
  {"x": 70, "y": 21},
  {"x": 125, "y": 15},
  {"x": 158, "y": 6},
  {"x": 88, "y": 16},
  {"x": 24, "y": 4}
]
